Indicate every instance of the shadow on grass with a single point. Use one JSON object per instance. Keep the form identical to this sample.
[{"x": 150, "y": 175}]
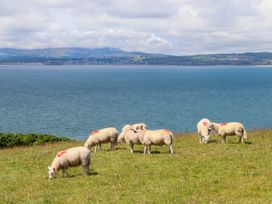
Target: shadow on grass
[
  {"x": 138, "y": 151},
  {"x": 120, "y": 148},
  {"x": 212, "y": 141},
  {"x": 91, "y": 173},
  {"x": 238, "y": 143}
]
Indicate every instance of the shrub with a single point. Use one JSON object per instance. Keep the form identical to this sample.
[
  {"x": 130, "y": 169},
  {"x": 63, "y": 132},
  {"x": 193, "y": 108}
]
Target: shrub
[{"x": 18, "y": 139}]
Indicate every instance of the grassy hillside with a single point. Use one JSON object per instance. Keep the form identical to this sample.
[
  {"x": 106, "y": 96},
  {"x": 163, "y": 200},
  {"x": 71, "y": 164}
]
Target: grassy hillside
[{"x": 212, "y": 173}]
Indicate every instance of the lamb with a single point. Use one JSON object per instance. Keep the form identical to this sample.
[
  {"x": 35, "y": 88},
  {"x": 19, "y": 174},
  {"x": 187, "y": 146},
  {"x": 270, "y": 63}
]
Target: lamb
[
  {"x": 230, "y": 129},
  {"x": 72, "y": 157},
  {"x": 106, "y": 135},
  {"x": 156, "y": 137},
  {"x": 204, "y": 128}
]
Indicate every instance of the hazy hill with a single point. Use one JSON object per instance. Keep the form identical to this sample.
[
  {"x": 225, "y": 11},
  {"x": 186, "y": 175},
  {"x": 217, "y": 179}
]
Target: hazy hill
[{"x": 117, "y": 56}]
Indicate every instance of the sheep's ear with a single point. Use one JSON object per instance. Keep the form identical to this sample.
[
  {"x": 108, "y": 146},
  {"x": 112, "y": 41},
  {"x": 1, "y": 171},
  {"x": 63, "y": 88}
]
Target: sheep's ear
[{"x": 49, "y": 168}]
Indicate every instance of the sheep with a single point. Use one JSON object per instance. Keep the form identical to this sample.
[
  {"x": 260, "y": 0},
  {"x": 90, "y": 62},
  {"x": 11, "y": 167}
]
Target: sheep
[
  {"x": 230, "y": 129},
  {"x": 204, "y": 129},
  {"x": 106, "y": 135},
  {"x": 140, "y": 126},
  {"x": 130, "y": 135},
  {"x": 125, "y": 129},
  {"x": 72, "y": 157},
  {"x": 128, "y": 127},
  {"x": 156, "y": 137}
]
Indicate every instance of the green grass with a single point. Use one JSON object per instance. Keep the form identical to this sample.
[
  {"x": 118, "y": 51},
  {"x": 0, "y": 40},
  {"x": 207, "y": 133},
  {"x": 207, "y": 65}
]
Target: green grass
[
  {"x": 212, "y": 173},
  {"x": 18, "y": 139}
]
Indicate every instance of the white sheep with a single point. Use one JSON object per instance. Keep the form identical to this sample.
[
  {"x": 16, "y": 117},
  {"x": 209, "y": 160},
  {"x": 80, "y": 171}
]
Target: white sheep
[
  {"x": 140, "y": 126},
  {"x": 125, "y": 129},
  {"x": 156, "y": 137},
  {"x": 98, "y": 137},
  {"x": 72, "y": 157},
  {"x": 204, "y": 128},
  {"x": 230, "y": 129},
  {"x": 128, "y": 127}
]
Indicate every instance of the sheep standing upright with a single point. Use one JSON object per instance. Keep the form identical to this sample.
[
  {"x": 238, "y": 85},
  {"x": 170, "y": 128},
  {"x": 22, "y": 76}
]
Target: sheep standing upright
[
  {"x": 140, "y": 126},
  {"x": 130, "y": 135},
  {"x": 204, "y": 127},
  {"x": 98, "y": 137},
  {"x": 156, "y": 137},
  {"x": 72, "y": 157},
  {"x": 230, "y": 129},
  {"x": 128, "y": 127},
  {"x": 122, "y": 135}
]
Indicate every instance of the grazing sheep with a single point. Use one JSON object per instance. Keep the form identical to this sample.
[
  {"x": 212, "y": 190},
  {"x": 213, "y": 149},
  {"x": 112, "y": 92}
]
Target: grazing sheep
[
  {"x": 230, "y": 129},
  {"x": 72, "y": 157},
  {"x": 204, "y": 127},
  {"x": 156, "y": 137},
  {"x": 106, "y": 135}
]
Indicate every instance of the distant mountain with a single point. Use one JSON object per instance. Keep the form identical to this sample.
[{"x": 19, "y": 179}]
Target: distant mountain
[{"x": 104, "y": 56}]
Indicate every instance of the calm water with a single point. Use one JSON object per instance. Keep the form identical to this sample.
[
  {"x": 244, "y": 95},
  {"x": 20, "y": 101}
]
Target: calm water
[{"x": 73, "y": 100}]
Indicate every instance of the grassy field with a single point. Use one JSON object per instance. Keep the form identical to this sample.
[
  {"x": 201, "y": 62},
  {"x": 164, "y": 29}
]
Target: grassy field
[{"x": 212, "y": 173}]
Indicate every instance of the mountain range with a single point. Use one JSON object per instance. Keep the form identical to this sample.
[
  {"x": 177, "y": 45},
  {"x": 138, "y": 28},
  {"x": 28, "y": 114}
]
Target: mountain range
[{"x": 108, "y": 56}]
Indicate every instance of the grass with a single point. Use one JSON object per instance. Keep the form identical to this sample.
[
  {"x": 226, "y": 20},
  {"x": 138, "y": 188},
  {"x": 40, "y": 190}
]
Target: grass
[
  {"x": 212, "y": 173},
  {"x": 18, "y": 139}
]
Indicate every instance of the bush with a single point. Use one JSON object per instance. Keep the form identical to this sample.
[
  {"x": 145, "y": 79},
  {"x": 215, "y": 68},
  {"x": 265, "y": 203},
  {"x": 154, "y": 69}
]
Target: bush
[{"x": 18, "y": 139}]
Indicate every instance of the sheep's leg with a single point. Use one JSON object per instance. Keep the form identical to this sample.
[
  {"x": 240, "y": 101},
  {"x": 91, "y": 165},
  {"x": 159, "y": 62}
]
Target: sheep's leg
[
  {"x": 95, "y": 148},
  {"x": 64, "y": 172},
  {"x": 86, "y": 170},
  {"x": 131, "y": 148},
  {"x": 171, "y": 149},
  {"x": 145, "y": 149},
  {"x": 100, "y": 146},
  {"x": 224, "y": 139},
  {"x": 241, "y": 139},
  {"x": 112, "y": 145},
  {"x": 200, "y": 140},
  {"x": 149, "y": 149}
]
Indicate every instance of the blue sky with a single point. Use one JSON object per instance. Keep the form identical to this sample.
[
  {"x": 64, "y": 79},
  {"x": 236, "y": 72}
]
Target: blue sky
[{"x": 172, "y": 26}]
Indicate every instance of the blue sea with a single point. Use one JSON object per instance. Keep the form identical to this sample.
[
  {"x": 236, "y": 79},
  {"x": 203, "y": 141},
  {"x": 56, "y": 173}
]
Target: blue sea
[{"x": 74, "y": 100}]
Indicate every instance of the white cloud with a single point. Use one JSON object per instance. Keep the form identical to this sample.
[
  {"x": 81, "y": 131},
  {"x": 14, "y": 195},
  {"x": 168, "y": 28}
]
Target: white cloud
[{"x": 173, "y": 26}]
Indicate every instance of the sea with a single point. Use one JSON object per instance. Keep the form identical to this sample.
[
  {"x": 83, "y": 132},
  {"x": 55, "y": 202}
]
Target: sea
[{"x": 74, "y": 100}]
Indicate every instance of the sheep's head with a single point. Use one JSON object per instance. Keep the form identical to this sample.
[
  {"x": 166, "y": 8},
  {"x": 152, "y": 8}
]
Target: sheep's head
[
  {"x": 214, "y": 127},
  {"x": 205, "y": 139},
  {"x": 52, "y": 172},
  {"x": 144, "y": 127}
]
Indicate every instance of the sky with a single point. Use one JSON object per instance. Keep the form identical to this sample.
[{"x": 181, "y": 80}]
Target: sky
[{"x": 179, "y": 27}]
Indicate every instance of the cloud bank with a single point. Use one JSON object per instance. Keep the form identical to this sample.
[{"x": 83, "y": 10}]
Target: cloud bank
[{"x": 178, "y": 27}]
